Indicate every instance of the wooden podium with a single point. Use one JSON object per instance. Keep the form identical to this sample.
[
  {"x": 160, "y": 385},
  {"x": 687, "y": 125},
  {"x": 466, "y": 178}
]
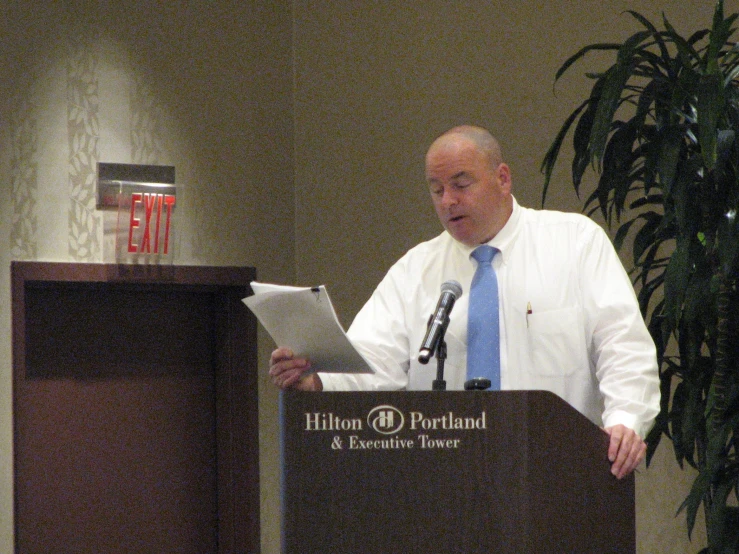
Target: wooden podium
[{"x": 448, "y": 472}]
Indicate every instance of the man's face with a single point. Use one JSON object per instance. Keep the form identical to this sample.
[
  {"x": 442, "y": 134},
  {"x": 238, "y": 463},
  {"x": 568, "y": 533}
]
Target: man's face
[{"x": 472, "y": 199}]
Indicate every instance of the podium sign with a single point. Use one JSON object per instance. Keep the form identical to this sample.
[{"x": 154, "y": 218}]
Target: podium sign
[{"x": 446, "y": 472}]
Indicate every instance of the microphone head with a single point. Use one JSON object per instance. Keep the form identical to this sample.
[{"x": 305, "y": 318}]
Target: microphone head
[{"x": 452, "y": 287}]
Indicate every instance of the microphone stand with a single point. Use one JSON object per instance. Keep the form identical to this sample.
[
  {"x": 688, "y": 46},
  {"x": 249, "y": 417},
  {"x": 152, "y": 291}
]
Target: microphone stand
[
  {"x": 440, "y": 354},
  {"x": 439, "y": 383}
]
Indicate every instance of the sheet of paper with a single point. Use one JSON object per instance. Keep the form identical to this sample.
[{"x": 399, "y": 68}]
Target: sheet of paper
[{"x": 303, "y": 319}]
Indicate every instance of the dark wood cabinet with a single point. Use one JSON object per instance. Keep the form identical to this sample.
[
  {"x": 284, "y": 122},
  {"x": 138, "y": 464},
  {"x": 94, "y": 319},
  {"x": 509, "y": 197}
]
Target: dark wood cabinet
[{"x": 135, "y": 409}]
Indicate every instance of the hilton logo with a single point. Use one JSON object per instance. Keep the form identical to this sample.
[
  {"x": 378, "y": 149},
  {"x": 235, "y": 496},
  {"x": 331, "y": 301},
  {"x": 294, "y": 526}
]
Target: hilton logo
[
  {"x": 389, "y": 420},
  {"x": 386, "y": 419}
]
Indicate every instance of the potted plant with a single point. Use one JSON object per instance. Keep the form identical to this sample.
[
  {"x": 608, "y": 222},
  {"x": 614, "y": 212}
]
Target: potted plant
[{"x": 659, "y": 129}]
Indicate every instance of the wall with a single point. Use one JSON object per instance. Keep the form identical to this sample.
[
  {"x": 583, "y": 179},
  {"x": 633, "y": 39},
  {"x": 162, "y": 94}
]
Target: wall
[
  {"x": 298, "y": 131},
  {"x": 204, "y": 86},
  {"x": 376, "y": 81}
]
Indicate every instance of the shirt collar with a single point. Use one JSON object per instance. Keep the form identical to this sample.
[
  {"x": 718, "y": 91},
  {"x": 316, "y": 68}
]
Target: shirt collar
[{"x": 505, "y": 238}]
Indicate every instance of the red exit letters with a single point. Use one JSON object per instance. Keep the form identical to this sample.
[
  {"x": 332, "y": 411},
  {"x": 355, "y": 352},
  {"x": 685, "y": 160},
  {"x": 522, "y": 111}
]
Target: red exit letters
[{"x": 148, "y": 235}]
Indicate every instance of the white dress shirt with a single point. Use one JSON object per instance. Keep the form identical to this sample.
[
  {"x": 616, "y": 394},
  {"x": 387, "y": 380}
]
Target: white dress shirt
[{"x": 584, "y": 338}]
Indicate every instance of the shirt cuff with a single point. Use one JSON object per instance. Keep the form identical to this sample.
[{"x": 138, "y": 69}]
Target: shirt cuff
[{"x": 628, "y": 420}]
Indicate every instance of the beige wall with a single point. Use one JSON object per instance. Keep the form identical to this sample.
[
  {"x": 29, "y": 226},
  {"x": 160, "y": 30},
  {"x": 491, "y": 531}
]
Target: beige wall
[
  {"x": 377, "y": 81},
  {"x": 204, "y": 86},
  {"x": 297, "y": 130}
]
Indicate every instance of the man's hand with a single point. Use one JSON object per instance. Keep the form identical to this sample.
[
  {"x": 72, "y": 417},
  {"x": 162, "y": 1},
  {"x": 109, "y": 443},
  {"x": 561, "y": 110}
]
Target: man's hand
[
  {"x": 287, "y": 371},
  {"x": 626, "y": 450}
]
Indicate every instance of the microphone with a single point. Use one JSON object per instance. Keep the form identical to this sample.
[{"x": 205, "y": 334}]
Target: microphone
[{"x": 450, "y": 291}]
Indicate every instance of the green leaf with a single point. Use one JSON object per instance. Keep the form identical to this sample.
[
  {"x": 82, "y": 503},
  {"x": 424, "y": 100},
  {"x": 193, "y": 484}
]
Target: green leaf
[
  {"x": 645, "y": 237},
  {"x": 692, "y": 421},
  {"x": 676, "y": 282},
  {"x": 715, "y": 451},
  {"x": 710, "y": 107},
  {"x": 686, "y": 52},
  {"x": 615, "y": 80},
  {"x": 682, "y": 99},
  {"x": 617, "y": 163},
  {"x": 720, "y": 33},
  {"x": 655, "y": 330},
  {"x": 669, "y": 146},
  {"x": 679, "y": 399},
  {"x": 547, "y": 166},
  {"x": 581, "y": 53},
  {"x": 603, "y": 192},
  {"x": 698, "y": 492},
  {"x": 622, "y": 233},
  {"x": 731, "y": 75},
  {"x": 723, "y": 518},
  {"x": 653, "y": 439},
  {"x": 728, "y": 242},
  {"x": 643, "y": 20},
  {"x": 647, "y": 291},
  {"x": 729, "y": 537},
  {"x": 650, "y": 200},
  {"x": 581, "y": 138},
  {"x": 653, "y": 30},
  {"x": 683, "y": 195}
]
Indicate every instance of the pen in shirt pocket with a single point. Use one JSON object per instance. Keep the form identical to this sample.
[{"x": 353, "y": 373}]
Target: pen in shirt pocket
[{"x": 528, "y": 313}]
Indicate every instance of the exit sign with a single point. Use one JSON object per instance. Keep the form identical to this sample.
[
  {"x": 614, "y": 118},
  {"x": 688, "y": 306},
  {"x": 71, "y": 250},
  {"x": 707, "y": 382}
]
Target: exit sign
[
  {"x": 150, "y": 219},
  {"x": 144, "y": 200}
]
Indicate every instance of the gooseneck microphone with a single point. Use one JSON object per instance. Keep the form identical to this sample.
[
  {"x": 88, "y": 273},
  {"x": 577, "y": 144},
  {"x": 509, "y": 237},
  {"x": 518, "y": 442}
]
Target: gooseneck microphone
[{"x": 450, "y": 292}]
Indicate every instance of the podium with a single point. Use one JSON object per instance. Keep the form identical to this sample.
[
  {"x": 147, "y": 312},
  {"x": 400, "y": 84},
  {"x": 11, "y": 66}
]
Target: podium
[{"x": 448, "y": 472}]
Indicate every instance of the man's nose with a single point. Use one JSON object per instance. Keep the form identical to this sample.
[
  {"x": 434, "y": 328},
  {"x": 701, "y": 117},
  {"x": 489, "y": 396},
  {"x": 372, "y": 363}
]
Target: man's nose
[{"x": 449, "y": 198}]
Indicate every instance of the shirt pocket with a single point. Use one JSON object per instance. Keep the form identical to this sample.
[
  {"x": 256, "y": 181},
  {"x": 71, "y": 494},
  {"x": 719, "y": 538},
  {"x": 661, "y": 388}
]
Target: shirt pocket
[{"x": 556, "y": 342}]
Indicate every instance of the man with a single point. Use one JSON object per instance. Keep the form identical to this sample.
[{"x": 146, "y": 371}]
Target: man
[{"x": 569, "y": 320}]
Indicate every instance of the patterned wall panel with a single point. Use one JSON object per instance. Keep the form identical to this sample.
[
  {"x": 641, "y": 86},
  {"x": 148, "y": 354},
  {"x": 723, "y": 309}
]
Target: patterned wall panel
[
  {"x": 24, "y": 179},
  {"x": 83, "y": 103},
  {"x": 84, "y": 67}
]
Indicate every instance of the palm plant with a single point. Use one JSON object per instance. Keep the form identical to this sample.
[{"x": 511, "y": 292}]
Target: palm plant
[{"x": 659, "y": 128}]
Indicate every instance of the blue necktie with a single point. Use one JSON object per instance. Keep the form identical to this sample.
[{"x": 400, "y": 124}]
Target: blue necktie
[{"x": 483, "y": 326}]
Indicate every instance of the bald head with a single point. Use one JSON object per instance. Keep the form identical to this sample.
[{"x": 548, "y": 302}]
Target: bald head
[
  {"x": 470, "y": 185},
  {"x": 483, "y": 141}
]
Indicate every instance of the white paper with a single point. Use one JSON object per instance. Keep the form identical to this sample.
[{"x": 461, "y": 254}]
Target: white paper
[{"x": 303, "y": 319}]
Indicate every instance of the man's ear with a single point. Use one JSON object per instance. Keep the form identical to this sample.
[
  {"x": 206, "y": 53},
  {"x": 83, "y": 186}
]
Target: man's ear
[{"x": 504, "y": 176}]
